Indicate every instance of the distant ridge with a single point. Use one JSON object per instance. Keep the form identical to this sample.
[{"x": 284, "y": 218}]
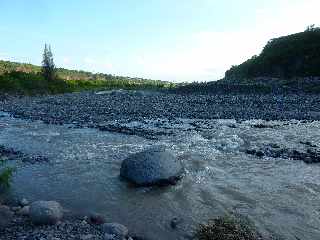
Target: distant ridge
[
  {"x": 289, "y": 64},
  {"x": 66, "y": 74}
]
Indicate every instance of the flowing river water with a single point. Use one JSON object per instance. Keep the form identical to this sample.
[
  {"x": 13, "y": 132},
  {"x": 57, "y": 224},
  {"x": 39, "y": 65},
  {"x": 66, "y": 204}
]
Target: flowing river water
[{"x": 280, "y": 196}]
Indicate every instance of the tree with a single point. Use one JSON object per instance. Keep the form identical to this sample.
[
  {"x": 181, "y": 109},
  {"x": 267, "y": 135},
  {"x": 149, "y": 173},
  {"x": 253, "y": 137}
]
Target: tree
[
  {"x": 48, "y": 67},
  {"x": 312, "y": 28}
]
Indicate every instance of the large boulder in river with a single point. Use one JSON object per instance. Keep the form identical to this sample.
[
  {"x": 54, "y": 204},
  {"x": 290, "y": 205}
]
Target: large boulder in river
[
  {"x": 155, "y": 166},
  {"x": 45, "y": 212}
]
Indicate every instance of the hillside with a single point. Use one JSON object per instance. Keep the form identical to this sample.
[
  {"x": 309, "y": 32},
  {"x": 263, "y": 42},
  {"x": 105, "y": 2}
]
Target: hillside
[
  {"x": 66, "y": 74},
  {"x": 289, "y": 64},
  {"x": 293, "y": 56},
  {"x": 25, "y": 78}
]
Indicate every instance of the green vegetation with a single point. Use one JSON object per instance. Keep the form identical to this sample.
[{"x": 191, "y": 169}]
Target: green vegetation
[
  {"x": 48, "y": 67},
  {"x": 227, "y": 228},
  {"x": 35, "y": 83},
  {"x": 28, "y": 79},
  {"x": 5, "y": 175},
  {"x": 296, "y": 55}
]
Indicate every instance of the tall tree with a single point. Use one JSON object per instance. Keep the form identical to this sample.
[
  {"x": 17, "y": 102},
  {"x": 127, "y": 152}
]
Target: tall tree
[{"x": 48, "y": 67}]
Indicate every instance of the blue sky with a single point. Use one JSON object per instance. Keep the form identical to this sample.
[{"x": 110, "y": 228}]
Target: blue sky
[{"x": 175, "y": 40}]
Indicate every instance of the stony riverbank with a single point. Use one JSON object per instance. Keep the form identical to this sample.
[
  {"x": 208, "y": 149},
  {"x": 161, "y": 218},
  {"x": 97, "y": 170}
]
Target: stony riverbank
[
  {"x": 92, "y": 109},
  {"x": 43, "y": 220}
]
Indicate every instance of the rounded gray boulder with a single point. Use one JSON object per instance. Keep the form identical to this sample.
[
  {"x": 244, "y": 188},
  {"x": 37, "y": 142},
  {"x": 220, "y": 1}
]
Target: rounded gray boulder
[
  {"x": 45, "y": 212},
  {"x": 154, "y": 166}
]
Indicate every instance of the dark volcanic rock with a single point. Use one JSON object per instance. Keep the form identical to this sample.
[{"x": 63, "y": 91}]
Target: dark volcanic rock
[
  {"x": 6, "y": 216},
  {"x": 96, "y": 218},
  {"x": 11, "y": 154},
  {"x": 311, "y": 155},
  {"x": 117, "y": 230},
  {"x": 155, "y": 166}
]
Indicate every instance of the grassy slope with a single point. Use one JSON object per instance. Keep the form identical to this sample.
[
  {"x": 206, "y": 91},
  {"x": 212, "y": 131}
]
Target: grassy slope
[{"x": 27, "y": 79}]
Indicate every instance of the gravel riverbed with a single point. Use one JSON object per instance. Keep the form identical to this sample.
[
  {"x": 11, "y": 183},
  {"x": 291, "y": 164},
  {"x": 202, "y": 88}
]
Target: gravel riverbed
[{"x": 92, "y": 109}]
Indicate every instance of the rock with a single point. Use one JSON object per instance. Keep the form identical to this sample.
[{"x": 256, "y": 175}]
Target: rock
[
  {"x": 15, "y": 209},
  {"x": 6, "y": 216},
  {"x": 110, "y": 237},
  {"x": 155, "y": 166},
  {"x": 96, "y": 218},
  {"x": 25, "y": 211},
  {"x": 310, "y": 156},
  {"x": 24, "y": 202},
  {"x": 115, "y": 230},
  {"x": 87, "y": 237},
  {"x": 175, "y": 222},
  {"x": 45, "y": 212}
]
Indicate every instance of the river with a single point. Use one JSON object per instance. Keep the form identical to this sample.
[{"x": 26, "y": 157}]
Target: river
[{"x": 280, "y": 196}]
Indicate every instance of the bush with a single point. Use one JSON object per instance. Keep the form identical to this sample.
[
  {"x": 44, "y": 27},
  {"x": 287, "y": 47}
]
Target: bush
[
  {"x": 5, "y": 175},
  {"x": 227, "y": 228}
]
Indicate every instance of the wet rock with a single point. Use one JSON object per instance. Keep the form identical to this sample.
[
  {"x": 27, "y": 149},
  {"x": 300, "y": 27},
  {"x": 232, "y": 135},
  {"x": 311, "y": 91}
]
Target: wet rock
[
  {"x": 175, "y": 222},
  {"x": 87, "y": 237},
  {"x": 309, "y": 156},
  {"x": 45, "y": 212},
  {"x": 6, "y": 216},
  {"x": 310, "y": 144},
  {"x": 155, "y": 166},
  {"x": 135, "y": 237},
  {"x": 96, "y": 218},
  {"x": 115, "y": 230},
  {"x": 260, "y": 125},
  {"x": 11, "y": 154},
  {"x": 24, "y": 202},
  {"x": 16, "y": 209},
  {"x": 112, "y": 237},
  {"x": 25, "y": 211}
]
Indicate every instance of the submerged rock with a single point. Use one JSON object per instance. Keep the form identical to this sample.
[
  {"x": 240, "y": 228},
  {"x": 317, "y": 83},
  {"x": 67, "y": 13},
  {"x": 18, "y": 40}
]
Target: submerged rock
[
  {"x": 24, "y": 211},
  {"x": 96, "y": 218},
  {"x": 155, "y": 166},
  {"x": 114, "y": 231},
  {"x": 310, "y": 155},
  {"x": 24, "y": 202},
  {"x": 6, "y": 216},
  {"x": 45, "y": 212}
]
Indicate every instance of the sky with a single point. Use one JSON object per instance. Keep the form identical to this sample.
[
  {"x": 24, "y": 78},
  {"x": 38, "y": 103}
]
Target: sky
[{"x": 172, "y": 40}]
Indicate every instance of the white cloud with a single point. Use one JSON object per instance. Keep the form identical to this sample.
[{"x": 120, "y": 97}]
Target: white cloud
[
  {"x": 207, "y": 55},
  {"x": 98, "y": 64},
  {"x": 89, "y": 60},
  {"x": 108, "y": 65},
  {"x": 66, "y": 60}
]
